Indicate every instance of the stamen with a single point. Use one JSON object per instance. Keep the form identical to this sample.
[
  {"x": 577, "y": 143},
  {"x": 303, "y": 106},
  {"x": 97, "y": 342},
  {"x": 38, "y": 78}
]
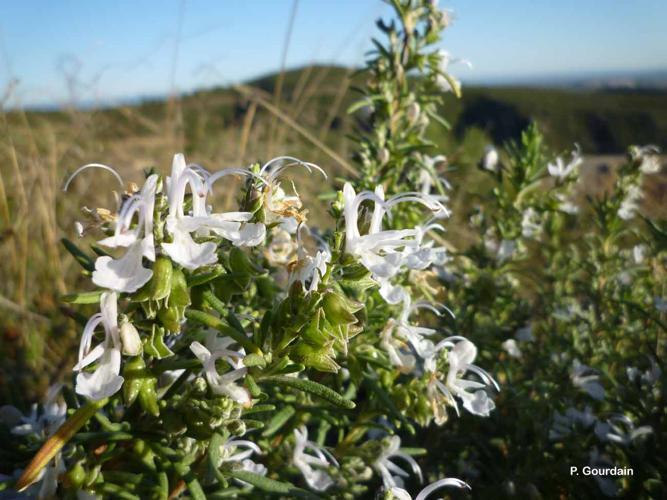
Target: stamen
[
  {"x": 449, "y": 481},
  {"x": 93, "y": 165},
  {"x": 230, "y": 171},
  {"x": 295, "y": 162}
]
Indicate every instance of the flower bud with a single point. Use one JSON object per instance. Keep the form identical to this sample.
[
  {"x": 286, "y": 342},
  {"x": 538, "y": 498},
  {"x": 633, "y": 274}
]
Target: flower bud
[
  {"x": 490, "y": 159},
  {"x": 162, "y": 275},
  {"x": 413, "y": 112},
  {"x": 129, "y": 338},
  {"x": 148, "y": 396},
  {"x": 318, "y": 358},
  {"x": 133, "y": 379},
  {"x": 215, "y": 422},
  {"x": 179, "y": 295},
  {"x": 383, "y": 156},
  {"x": 200, "y": 386},
  {"x": 76, "y": 476},
  {"x": 170, "y": 319},
  {"x": 236, "y": 427},
  {"x": 339, "y": 309}
]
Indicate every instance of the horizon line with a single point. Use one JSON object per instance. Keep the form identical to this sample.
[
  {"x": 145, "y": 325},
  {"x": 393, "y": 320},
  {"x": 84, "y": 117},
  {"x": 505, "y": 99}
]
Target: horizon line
[{"x": 572, "y": 79}]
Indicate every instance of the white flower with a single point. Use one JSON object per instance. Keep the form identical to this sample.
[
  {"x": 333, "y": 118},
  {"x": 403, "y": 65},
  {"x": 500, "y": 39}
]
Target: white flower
[
  {"x": 280, "y": 207},
  {"x": 379, "y": 250},
  {"x": 127, "y": 273},
  {"x": 392, "y": 475},
  {"x": 632, "y": 372},
  {"x": 392, "y": 294},
  {"x": 530, "y": 226},
  {"x": 43, "y": 424},
  {"x": 444, "y": 80},
  {"x": 231, "y": 452},
  {"x": 630, "y": 204},
  {"x": 426, "y": 178},
  {"x": 105, "y": 380},
  {"x": 460, "y": 356},
  {"x": 423, "y": 254},
  {"x": 566, "y": 205},
  {"x": 620, "y": 429},
  {"x": 506, "y": 250},
  {"x": 233, "y": 226},
  {"x": 639, "y": 253},
  {"x": 560, "y": 170},
  {"x": 651, "y": 376},
  {"x": 142, "y": 206},
  {"x": 648, "y": 156},
  {"x": 512, "y": 348},
  {"x": 608, "y": 486},
  {"x": 563, "y": 425},
  {"x": 585, "y": 378},
  {"x": 401, "y": 494},
  {"x": 309, "y": 270},
  {"x": 183, "y": 249},
  {"x": 312, "y": 464},
  {"x": 217, "y": 348},
  {"x": 490, "y": 159},
  {"x": 399, "y": 333},
  {"x": 395, "y": 349},
  {"x": 660, "y": 304}
]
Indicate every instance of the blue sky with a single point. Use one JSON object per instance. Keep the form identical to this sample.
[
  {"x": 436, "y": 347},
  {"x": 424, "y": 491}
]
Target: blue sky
[{"x": 100, "y": 50}]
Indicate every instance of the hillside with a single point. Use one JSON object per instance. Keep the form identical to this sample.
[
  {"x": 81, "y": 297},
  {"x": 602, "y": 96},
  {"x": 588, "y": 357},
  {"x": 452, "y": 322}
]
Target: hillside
[{"x": 601, "y": 121}]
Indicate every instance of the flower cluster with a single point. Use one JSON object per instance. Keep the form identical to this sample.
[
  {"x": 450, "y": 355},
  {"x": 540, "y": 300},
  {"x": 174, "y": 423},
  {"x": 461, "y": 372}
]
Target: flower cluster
[
  {"x": 157, "y": 365},
  {"x": 565, "y": 281}
]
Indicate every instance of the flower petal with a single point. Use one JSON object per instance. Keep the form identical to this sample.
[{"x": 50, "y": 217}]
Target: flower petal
[
  {"x": 126, "y": 274},
  {"x": 105, "y": 381}
]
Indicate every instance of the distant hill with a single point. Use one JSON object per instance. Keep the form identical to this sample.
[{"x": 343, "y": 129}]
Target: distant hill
[{"x": 601, "y": 120}]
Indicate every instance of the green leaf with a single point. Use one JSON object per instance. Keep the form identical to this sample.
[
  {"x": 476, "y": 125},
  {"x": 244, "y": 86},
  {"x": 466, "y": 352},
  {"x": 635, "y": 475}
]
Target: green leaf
[
  {"x": 292, "y": 368},
  {"x": 444, "y": 123},
  {"x": 312, "y": 388},
  {"x": 194, "y": 487},
  {"x": 278, "y": 420},
  {"x": 254, "y": 360},
  {"x": 83, "y": 297},
  {"x": 375, "y": 387},
  {"x": 162, "y": 487},
  {"x": 204, "y": 277},
  {"x": 271, "y": 486},
  {"x": 259, "y": 409},
  {"x": 216, "y": 323},
  {"x": 415, "y": 452},
  {"x": 214, "y": 447},
  {"x": 84, "y": 260},
  {"x": 254, "y": 389}
]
